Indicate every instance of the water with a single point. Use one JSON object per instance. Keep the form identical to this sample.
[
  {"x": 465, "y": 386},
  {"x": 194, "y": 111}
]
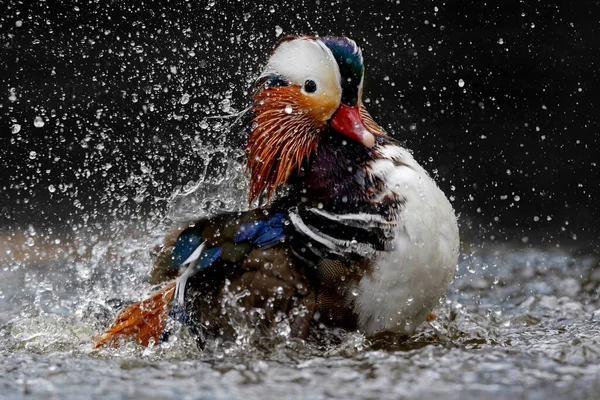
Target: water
[{"x": 519, "y": 322}]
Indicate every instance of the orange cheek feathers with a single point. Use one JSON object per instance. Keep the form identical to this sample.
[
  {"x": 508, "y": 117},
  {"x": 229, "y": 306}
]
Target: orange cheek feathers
[
  {"x": 320, "y": 107},
  {"x": 285, "y": 132}
]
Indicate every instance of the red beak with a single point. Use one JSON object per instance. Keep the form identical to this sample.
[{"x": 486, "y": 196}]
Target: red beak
[{"x": 347, "y": 121}]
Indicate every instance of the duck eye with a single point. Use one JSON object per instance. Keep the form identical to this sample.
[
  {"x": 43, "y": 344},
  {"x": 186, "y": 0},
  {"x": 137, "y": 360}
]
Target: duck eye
[{"x": 310, "y": 86}]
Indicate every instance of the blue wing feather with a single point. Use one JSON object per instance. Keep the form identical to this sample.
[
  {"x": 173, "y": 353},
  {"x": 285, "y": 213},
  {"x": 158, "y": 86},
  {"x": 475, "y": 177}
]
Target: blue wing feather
[
  {"x": 271, "y": 236},
  {"x": 186, "y": 243},
  {"x": 207, "y": 257},
  {"x": 262, "y": 232},
  {"x": 250, "y": 230}
]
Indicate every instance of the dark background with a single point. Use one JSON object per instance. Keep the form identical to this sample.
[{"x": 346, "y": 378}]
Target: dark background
[{"x": 500, "y": 98}]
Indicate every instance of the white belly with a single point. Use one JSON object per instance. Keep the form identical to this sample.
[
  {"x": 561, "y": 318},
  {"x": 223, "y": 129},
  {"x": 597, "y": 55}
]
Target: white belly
[{"x": 408, "y": 282}]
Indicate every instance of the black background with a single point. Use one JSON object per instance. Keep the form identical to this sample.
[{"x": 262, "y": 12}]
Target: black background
[{"x": 517, "y": 145}]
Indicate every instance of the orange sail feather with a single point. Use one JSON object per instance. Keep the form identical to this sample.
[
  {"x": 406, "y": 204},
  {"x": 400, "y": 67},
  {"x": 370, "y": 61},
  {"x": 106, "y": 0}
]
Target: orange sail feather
[{"x": 143, "y": 320}]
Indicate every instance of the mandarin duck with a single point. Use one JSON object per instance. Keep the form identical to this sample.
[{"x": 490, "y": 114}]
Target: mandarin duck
[{"x": 361, "y": 238}]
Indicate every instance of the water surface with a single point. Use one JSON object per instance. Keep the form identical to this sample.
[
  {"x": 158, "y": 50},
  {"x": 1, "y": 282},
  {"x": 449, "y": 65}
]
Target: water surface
[{"x": 520, "y": 321}]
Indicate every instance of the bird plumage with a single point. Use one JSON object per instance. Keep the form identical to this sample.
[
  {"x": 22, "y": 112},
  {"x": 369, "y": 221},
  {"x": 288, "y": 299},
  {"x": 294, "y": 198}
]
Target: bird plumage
[{"x": 362, "y": 238}]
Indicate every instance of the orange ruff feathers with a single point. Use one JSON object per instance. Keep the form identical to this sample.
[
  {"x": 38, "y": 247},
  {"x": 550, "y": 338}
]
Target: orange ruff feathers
[{"x": 143, "y": 320}]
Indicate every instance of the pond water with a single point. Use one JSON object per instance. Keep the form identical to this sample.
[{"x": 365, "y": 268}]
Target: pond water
[{"x": 519, "y": 321}]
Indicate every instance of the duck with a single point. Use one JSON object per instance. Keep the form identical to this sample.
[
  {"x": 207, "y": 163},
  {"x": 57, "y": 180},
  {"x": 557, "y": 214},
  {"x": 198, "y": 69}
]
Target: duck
[{"x": 353, "y": 232}]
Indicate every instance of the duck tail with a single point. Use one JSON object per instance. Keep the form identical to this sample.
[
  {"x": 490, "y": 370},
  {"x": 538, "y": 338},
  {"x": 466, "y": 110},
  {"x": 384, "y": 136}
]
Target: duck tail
[{"x": 143, "y": 320}]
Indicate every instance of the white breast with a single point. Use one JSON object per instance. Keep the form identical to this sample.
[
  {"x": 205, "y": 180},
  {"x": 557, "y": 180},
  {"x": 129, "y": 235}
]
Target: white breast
[{"x": 408, "y": 282}]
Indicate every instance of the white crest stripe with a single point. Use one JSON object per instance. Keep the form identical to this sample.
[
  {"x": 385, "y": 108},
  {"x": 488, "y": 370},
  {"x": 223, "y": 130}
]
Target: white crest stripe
[
  {"x": 336, "y": 245},
  {"x": 302, "y": 227},
  {"x": 190, "y": 271},
  {"x": 359, "y": 218}
]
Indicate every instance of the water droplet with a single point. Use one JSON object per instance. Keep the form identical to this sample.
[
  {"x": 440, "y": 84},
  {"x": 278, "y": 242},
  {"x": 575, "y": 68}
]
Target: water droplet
[
  {"x": 278, "y": 30},
  {"x": 38, "y": 122},
  {"x": 32, "y": 155},
  {"x": 461, "y": 83},
  {"x": 226, "y": 105},
  {"x": 184, "y": 99},
  {"x": 500, "y": 41},
  {"x": 16, "y": 128},
  {"x": 288, "y": 109},
  {"x": 51, "y": 188},
  {"x": 495, "y": 311},
  {"x": 284, "y": 329}
]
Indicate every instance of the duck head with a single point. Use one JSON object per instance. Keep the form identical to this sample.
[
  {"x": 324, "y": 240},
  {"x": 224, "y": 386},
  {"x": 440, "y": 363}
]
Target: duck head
[{"x": 309, "y": 85}]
